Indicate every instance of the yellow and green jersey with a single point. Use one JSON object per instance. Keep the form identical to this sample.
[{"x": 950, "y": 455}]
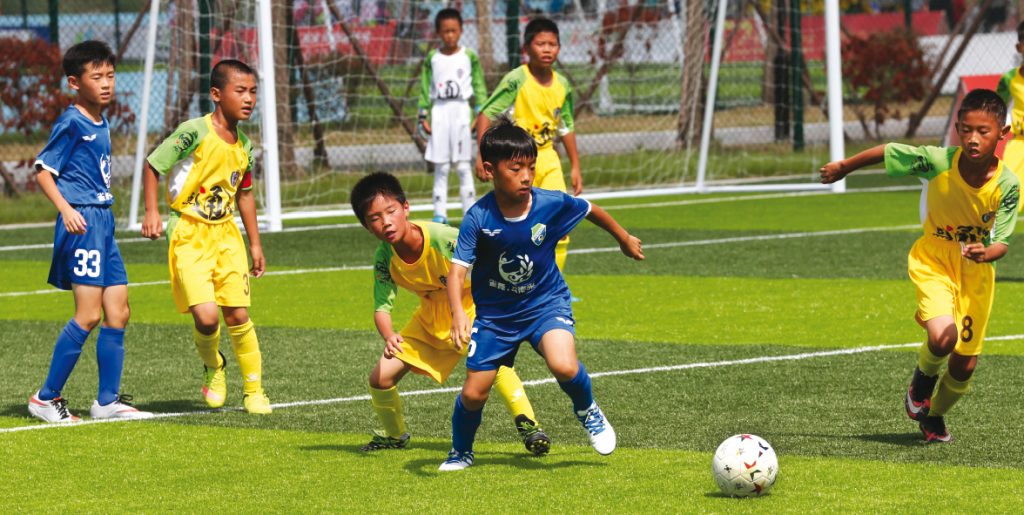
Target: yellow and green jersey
[
  {"x": 427, "y": 278},
  {"x": 204, "y": 171},
  {"x": 957, "y": 211},
  {"x": 541, "y": 110},
  {"x": 1011, "y": 89}
]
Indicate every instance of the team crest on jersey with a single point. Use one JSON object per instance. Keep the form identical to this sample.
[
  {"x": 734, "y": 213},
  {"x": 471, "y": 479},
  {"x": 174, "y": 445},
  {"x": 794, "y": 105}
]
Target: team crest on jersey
[
  {"x": 985, "y": 218},
  {"x": 235, "y": 175},
  {"x": 184, "y": 141},
  {"x": 537, "y": 234},
  {"x": 521, "y": 271}
]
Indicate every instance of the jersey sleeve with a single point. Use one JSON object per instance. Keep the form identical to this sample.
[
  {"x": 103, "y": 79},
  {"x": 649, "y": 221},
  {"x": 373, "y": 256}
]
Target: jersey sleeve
[
  {"x": 1003, "y": 89},
  {"x": 504, "y": 95},
  {"x": 426, "y": 74},
  {"x": 476, "y": 72},
  {"x": 246, "y": 183},
  {"x": 567, "y": 124},
  {"x": 54, "y": 156},
  {"x": 571, "y": 213},
  {"x": 176, "y": 147},
  {"x": 384, "y": 288},
  {"x": 1006, "y": 213},
  {"x": 469, "y": 232},
  {"x": 925, "y": 162}
]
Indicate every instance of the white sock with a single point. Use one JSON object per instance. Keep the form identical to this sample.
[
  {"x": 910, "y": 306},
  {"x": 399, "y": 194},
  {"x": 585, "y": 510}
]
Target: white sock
[
  {"x": 441, "y": 189},
  {"x": 467, "y": 194}
]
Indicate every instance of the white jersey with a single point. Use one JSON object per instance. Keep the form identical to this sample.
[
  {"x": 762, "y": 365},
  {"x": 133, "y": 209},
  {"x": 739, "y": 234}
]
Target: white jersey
[{"x": 451, "y": 77}]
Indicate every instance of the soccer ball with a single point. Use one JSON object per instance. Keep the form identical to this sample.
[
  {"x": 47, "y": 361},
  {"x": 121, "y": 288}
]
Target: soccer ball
[{"x": 745, "y": 466}]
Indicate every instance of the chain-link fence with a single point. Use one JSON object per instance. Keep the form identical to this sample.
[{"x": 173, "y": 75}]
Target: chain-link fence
[{"x": 348, "y": 77}]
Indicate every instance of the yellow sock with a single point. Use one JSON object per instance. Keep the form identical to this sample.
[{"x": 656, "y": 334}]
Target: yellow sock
[
  {"x": 388, "y": 406},
  {"x": 207, "y": 346},
  {"x": 247, "y": 351},
  {"x": 510, "y": 387},
  {"x": 561, "y": 252},
  {"x": 929, "y": 363},
  {"x": 949, "y": 391}
]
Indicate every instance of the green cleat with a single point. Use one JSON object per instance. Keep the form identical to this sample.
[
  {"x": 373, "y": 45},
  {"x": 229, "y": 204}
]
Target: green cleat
[{"x": 215, "y": 386}]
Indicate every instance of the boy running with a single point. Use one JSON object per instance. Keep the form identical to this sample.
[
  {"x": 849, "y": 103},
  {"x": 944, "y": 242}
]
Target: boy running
[
  {"x": 451, "y": 74},
  {"x": 209, "y": 160},
  {"x": 508, "y": 238},
  {"x": 417, "y": 256},
  {"x": 74, "y": 173},
  {"x": 540, "y": 100},
  {"x": 971, "y": 211}
]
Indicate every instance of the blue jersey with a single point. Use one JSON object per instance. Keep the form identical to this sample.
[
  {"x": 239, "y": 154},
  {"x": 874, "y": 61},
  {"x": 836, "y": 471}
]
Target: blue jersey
[
  {"x": 514, "y": 272},
  {"x": 78, "y": 156}
]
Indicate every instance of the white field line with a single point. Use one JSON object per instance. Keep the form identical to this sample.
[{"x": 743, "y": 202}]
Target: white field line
[
  {"x": 690, "y": 243},
  {"x": 157, "y": 283},
  {"x": 535, "y": 382}
]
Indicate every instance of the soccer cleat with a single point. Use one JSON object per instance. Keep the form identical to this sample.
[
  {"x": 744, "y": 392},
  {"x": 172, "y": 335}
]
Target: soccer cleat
[
  {"x": 215, "y": 386},
  {"x": 440, "y": 219},
  {"x": 382, "y": 441},
  {"x": 257, "y": 403},
  {"x": 934, "y": 430},
  {"x": 54, "y": 411},
  {"x": 120, "y": 408},
  {"x": 457, "y": 460},
  {"x": 534, "y": 438},
  {"x": 602, "y": 436},
  {"x": 919, "y": 395}
]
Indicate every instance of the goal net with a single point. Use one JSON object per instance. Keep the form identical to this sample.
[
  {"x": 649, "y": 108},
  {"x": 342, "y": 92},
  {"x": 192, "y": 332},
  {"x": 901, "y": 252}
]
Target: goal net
[{"x": 345, "y": 77}]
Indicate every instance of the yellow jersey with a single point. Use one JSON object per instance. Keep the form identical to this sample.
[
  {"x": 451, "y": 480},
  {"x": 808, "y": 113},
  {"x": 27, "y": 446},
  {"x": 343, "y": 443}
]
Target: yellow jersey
[
  {"x": 543, "y": 111},
  {"x": 1011, "y": 89}
]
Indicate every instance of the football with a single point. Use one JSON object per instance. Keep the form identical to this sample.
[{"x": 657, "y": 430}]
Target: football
[{"x": 745, "y": 466}]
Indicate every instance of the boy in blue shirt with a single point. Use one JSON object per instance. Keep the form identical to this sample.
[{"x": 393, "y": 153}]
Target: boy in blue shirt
[
  {"x": 508, "y": 238},
  {"x": 74, "y": 173}
]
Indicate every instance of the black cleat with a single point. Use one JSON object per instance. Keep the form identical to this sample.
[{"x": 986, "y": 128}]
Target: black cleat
[
  {"x": 534, "y": 438},
  {"x": 934, "y": 429},
  {"x": 919, "y": 395},
  {"x": 382, "y": 441}
]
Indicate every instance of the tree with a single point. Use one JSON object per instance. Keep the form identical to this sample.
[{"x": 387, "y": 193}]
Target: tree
[{"x": 885, "y": 70}]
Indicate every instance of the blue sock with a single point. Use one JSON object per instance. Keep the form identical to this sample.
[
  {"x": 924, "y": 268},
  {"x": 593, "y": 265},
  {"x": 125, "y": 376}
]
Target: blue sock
[
  {"x": 579, "y": 390},
  {"x": 110, "y": 358},
  {"x": 464, "y": 426},
  {"x": 65, "y": 355}
]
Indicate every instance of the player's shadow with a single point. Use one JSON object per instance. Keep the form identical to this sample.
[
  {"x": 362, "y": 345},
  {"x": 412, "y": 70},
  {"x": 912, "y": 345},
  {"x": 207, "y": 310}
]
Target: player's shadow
[
  {"x": 899, "y": 439},
  {"x": 441, "y": 448},
  {"x": 428, "y": 467},
  {"x": 172, "y": 406},
  {"x": 18, "y": 410}
]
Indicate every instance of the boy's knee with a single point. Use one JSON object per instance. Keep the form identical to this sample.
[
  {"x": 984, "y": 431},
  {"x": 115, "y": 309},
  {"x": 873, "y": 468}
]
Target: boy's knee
[
  {"x": 962, "y": 367},
  {"x": 88, "y": 320},
  {"x": 118, "y": 318},
  {"x": 474, "y": 399},
  {"x": 236, "y": 317},
  {"x": 565, "y": 372},
  {"x": 943, "y": 341}
]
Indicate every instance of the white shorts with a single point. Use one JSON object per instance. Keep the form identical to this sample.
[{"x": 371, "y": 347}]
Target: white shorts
[{"x": 450, "y": 140}]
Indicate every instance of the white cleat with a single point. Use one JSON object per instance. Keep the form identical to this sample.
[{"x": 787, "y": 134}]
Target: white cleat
[
  {"x": 54, "y": 411},
  {"x": 602, "y": 436},
  {"x": 457, "y": 461},
  {"x": 120, "y": 408}
]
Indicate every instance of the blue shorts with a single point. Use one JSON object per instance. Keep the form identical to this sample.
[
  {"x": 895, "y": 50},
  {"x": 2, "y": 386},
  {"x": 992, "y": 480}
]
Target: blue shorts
[
  {"x": 494, "y": 344},
  {"x": 91, "y": 258}
]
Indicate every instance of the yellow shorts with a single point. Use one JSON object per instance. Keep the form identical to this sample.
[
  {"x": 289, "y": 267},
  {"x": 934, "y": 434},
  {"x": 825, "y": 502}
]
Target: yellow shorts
[
  {"x": 1013, "y": 157},
  {"x": 949, "y": 284},
  {"x": 549, "y": 171},
  {"x": 208, "y": 263},
  {"x": 426, "y": 353}
]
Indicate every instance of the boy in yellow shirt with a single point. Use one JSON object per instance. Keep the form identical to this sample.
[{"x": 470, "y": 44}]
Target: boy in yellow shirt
[
  {"x": 417, "y": 256},
  {"x": 540, "y": 100},
  {"x": 972, "y": 200},
  {"x": 209, "y": 163},
  {"x": 1011, "y": 89}
]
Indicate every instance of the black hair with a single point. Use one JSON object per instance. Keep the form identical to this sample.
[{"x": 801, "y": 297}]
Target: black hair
[
  {"x": 87, "y": 52},
  {"x": 369, "y": 187},
  {"x": 219, "y": 73},
  {"x": 1020, "y": 32},
  {"x": 538, "y": 25},
  {"x": 504, "y": 141},
  {"x": 447, "y": 14},
  {"x": 983, "y": 100}
]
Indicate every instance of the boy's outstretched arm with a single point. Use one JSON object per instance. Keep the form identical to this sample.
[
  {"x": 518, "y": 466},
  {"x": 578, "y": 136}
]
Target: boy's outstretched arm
[
  {"x": 247, "y": 208},
  {"x": 460, "y": 322},
  {"x": 836, "y": 170},
  {"x": 569, "y": 142},
  {"x": 629, "y": 244},
  {"x": 152, "y": 226}
]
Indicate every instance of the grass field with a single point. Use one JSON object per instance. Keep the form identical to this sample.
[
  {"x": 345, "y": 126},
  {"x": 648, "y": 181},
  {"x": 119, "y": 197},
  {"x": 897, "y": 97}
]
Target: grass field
[{"x": 785, "y": 315}]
